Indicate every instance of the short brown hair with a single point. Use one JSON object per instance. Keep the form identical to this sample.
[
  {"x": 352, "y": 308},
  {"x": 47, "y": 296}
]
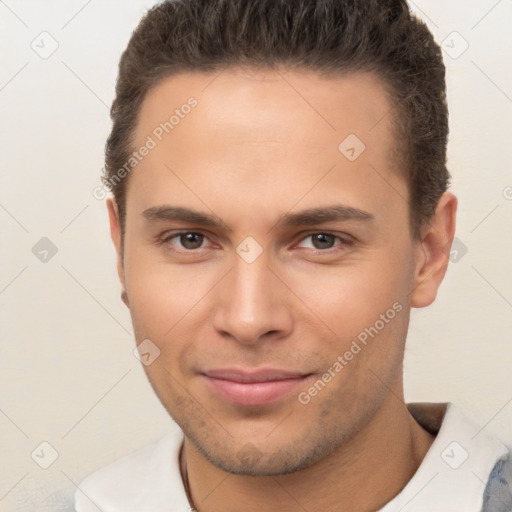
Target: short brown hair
[{"x": 333, "y": 37}]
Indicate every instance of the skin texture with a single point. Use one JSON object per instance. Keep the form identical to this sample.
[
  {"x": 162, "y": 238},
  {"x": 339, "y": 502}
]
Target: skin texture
[{"x": 259, "y": 145}]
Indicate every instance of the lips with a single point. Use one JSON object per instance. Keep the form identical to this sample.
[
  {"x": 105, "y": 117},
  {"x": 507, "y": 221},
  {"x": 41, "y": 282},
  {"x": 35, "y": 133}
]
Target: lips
[{"x": 252, "y": 388}]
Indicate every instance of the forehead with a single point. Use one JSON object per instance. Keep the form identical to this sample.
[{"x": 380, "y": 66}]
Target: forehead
[
  {"x": 278, "y": 131},
  {"x": 273, "y": 99}
]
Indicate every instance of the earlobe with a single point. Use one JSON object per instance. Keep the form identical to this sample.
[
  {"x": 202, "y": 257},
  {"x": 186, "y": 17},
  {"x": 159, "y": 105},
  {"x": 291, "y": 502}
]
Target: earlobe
[
  {"x": 115, "y": 233},
  {"x": 433, "y": 252},
  {"x": 124, "y": 298}
]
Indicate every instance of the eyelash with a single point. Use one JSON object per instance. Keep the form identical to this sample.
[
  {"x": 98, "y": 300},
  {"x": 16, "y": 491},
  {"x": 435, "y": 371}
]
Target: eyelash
[{"x": 344, "y": 241}]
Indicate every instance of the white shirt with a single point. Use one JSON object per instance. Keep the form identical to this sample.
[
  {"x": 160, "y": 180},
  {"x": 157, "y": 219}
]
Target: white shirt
[{"x": 451, "y": 478}]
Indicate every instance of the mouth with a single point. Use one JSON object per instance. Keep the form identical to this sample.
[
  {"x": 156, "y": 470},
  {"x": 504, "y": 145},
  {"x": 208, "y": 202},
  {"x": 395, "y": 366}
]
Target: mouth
[{"x": 253, "y": 388}]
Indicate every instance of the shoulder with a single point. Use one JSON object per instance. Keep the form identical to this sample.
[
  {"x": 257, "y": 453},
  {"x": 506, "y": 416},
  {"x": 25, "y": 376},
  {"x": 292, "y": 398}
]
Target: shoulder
[
  {"x": 498, "y": 491},
  {"x": 141, "y": 480}
]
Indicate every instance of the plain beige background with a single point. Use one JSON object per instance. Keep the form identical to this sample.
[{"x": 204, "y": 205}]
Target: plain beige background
[{"x": 68, "y": 374}]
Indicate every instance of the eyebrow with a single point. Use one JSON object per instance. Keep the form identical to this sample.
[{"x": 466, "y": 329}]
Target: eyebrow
[{"x": 308, "y": 217}]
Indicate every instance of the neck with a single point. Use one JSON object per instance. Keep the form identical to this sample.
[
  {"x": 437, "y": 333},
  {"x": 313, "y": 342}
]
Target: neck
[{"x": 364, "y": 474}]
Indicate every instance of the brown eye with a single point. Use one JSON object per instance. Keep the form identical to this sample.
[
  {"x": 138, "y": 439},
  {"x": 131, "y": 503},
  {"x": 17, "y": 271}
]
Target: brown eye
[
  {"x": 191, "y": 240},
  {"x": 322, "y": 241},
  {"x": 187, "y": 240}
]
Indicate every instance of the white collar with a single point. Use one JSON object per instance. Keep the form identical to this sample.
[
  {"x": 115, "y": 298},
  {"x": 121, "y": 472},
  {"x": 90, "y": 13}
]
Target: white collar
[{"x": 147, "y": 480}]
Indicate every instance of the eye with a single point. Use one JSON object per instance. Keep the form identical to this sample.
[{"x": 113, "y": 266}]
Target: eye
[
  {"x": 322, "y": 241},
  {"x": 189, "y": 240}
]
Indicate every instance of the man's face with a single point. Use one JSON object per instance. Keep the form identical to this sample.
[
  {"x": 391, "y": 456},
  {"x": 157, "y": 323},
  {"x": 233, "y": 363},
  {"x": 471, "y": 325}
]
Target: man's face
[{"x": 256, "y": 149}]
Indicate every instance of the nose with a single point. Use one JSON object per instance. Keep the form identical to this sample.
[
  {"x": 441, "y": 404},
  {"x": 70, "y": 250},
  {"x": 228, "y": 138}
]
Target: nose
[{"x": 251, "y": 303}]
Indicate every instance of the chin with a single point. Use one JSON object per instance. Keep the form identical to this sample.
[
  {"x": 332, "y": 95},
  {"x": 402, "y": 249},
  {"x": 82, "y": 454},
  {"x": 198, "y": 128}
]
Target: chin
[{"x": 260, "y": 459}]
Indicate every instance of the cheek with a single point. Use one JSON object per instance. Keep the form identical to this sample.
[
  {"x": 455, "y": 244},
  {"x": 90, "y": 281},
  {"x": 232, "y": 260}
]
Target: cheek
[
  {"x": 168, "y": 306},
  {"x": 346, "y": 299},
  {"x": 159, "y": 293}
]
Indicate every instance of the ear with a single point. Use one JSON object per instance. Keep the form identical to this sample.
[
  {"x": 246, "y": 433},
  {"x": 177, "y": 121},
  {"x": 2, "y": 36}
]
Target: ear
[
  {"x": 433, "y": 251},
  {"x": 115, "y": 233}
]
